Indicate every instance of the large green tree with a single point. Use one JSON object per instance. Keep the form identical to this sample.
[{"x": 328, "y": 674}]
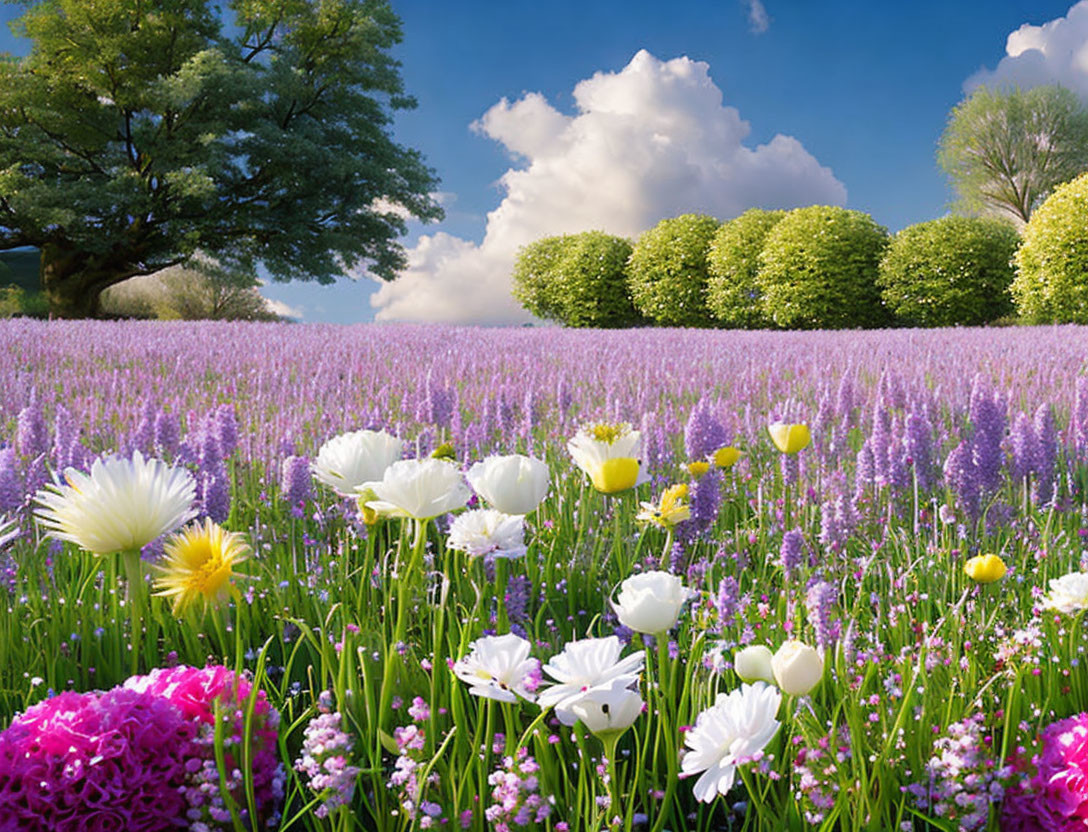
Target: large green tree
[
  {"x": 1006, "y": 149},
  {"x": 137, "y": 134}
]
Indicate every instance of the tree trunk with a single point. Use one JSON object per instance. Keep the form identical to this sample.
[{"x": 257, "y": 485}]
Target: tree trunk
[{"x": 73, "y": 281}]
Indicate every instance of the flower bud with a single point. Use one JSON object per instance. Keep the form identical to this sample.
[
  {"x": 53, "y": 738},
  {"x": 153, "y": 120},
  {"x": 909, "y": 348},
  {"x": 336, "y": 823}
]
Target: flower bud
[
  {"x": 797, "y": 668},
  {"x": 789, "y": 439},
  {"x": 651, "y": 602},
  {"x": 985, "y": 569},
  {"x": 753, "y": 664}
]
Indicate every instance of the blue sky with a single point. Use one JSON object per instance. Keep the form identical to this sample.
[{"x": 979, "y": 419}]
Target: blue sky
[{"x": 865, "y": 89}]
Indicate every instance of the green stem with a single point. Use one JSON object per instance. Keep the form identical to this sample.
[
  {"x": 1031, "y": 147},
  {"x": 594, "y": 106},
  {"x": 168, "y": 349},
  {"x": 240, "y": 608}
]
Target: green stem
[
  {"x": 137, "y": 600},
  {"x": 393, "y": 662}
]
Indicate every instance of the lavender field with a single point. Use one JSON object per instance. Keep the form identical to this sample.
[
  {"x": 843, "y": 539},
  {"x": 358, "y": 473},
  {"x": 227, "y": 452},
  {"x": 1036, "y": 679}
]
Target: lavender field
[{"x": 661, "y": 616}]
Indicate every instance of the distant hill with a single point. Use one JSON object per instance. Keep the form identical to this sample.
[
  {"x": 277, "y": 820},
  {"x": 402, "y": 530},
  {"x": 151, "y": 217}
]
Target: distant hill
[{"x": 19, "y": 268}]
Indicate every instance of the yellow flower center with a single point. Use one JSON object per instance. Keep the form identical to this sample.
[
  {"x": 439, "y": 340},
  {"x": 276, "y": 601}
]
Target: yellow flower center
[
  {"x": 607, "y": 433},
  {"x": 198, "y": 564}
]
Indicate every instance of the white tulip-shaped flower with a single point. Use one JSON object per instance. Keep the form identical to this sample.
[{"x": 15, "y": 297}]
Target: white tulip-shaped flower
[
  {"x": 754, "y": 663},
  {"x": 498, "y": 667},
  {"x": 1068, "y": 594},
  {"x": 731, "y": 733},
  {"x": 351, "y": 459},
  {"x": 121, "y": 506},
  {"x": 583, "y": 666},
  {"x": 488, "y": 532},
  {"x": 513, "y": 484},
  {"x": 418, "y": 488},
  {"x": 611, "y": 709},
  {"x": 650, "y": 603},
  {"x": 797, "y": 668},
  {"x": 609, "y": 454}
]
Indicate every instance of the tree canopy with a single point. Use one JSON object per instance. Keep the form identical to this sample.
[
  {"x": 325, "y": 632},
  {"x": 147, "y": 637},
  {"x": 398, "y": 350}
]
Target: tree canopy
[
  {"x": 136, "y": 135},
  {"x": 1005, "y": 150}
]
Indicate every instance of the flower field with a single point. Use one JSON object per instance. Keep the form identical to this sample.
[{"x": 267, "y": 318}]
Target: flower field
[{"x": 389, "y": 577}]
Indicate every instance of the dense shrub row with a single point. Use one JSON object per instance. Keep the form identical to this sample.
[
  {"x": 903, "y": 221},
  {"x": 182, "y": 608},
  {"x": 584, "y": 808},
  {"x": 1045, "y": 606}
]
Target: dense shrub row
[{"x": 819, "y": 267}]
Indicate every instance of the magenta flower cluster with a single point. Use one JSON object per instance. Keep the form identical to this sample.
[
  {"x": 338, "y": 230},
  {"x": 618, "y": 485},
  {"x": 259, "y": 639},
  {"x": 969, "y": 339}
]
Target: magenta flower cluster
[
  {"x": 961, "y": 779},
  {"x": 325, "y": 760},
  {"x": 516, "y": 799},
  {"x": 140, "y": 757},
  {"x": 1052, "y": 792}
]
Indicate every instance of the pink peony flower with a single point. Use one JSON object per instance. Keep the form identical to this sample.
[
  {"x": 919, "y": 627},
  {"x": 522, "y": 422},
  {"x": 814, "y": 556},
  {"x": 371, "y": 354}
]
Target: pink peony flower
[
  {"x": 1052, "y": 793},
  {"x": 140, "y": 757}
]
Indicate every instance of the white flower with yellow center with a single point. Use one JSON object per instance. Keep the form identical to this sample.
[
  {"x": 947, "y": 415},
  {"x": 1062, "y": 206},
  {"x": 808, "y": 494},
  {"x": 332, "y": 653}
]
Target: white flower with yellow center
[
  {"x": 417, "y": 488},
  {"x": 121, "y": 506},
  {"x": 610, "y": 454},
  {"x": 488, "y": 532},
  {"x": 728, "y": 735},
  {"x": 351, "y": 459},
  {"x": 498, "y": 667}
]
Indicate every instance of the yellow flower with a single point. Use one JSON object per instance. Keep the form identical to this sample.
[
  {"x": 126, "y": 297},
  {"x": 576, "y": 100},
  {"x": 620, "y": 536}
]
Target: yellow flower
[
  {"x": 697, "y": 469},
  {"x": 198, "y": 563},
  {"x": 609, "y": 454},
  {"x": 789, "y": 439},
  {"x": 670, "y": 511},
  {"x": 445, "y": 451},
  {"x": 726, "y": 457},
  {"x": 985, "y": 569}
]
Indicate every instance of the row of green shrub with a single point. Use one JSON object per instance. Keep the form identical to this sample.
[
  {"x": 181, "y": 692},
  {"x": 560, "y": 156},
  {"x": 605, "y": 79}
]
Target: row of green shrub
[{"x": 819, "y": 267}]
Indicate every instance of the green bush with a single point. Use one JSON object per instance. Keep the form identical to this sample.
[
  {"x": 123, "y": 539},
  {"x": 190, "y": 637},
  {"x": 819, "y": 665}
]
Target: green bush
[
  {"x": 593, "y": 281},
  {"x": 1051, "y": 283},
  {"x": 948, "y": 272},
  {"x": 818, "y": 270},
  {"x": 732, "y": 290},
  {"x": 667, "y": 272},
  {"x": 578, "y": 280},
  {"x": 536, "y": 282},
  {"x": 15, "y": 301}
]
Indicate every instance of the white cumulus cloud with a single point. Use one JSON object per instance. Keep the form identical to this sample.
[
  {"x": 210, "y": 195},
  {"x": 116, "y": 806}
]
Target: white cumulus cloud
[
  {"x": 653, "y": 140},
  {"x": 1054, "y": 53}
]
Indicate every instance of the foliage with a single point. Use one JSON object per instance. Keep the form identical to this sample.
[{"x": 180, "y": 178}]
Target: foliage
[
  {"x": 732, "y": 292},
  {"x": 1051, "y": 283},
  {"x": 667, "y": 272},
  {"x": 818, "y": 270},
  {"x": 578, "y": 280},
  {"x": 137, "y": 134},
  {"x": 536, "y": 278},
  {"x": 951, "y": 271},
  {"x": 190, "y": 294},
  {"x": 1005, "y": 150}
]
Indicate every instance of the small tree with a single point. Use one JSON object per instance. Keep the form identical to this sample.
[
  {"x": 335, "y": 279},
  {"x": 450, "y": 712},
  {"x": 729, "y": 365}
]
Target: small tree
[
  {"x": 578, "y": 280},
  {"x": 1051, "y": 283},
  {"x": 1005, "y": 150},
  {"x": 732, "y": 290},
  {"x": 667, "y": 272},
  {"x": 818, "y": 270},
  {"x": 199, "y": 292},
  {"x": 536, "y": 278},
  {"x": 950, "y": 271}
]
